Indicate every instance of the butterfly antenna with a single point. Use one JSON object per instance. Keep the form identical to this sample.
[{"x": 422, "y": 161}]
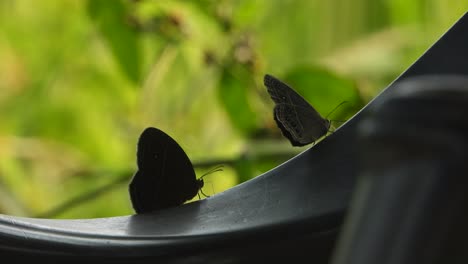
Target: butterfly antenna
[
  {"x": 213, "y": 170},
  {"x": 334, "y": 109},
  {"x": 338, "y": 121}
]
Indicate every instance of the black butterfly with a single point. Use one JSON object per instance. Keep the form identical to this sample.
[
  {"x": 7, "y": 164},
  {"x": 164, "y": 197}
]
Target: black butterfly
[
  {"x": 165, "y": 176},
  {"x": 297, "y": 119}
]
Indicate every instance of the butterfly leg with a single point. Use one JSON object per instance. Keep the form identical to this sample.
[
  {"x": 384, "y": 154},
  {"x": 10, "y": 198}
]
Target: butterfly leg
[{"x": 201, "y": 191}]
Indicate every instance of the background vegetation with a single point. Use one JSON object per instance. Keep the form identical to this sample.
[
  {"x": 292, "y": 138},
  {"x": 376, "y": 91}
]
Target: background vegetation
[{"x": 80, "y": 80}]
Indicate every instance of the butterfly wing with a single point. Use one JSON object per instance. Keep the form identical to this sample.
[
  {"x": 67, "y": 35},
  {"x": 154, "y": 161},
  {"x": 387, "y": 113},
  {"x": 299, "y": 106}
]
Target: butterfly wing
[
  {"x": 297, "y": 119},
  {"x": 300, "y": 132},
  {"x": 165, "y": 176}
]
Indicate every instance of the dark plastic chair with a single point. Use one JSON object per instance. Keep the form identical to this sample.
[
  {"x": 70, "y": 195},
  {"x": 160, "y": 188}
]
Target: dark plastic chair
[
  {"x": 292, "y": 212},
  {"x": 410, "y": 203}
]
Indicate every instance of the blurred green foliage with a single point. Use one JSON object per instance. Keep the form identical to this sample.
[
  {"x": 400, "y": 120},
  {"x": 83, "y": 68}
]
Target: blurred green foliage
[{"x": 80, "y": 80}]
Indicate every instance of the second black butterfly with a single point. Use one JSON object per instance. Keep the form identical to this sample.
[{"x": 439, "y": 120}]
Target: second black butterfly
[
  {"x": 298, "y": 120},
  {"x": 165, "y": 176}
]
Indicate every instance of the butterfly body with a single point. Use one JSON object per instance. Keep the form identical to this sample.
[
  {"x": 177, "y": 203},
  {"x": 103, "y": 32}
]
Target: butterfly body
[
  {"x": 296, "y": 118},
  {"x": 165, "y": 176}
]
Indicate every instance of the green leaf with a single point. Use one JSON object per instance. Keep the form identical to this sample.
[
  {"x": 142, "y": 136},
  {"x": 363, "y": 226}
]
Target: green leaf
[
  {"x": 233, "y": 94},
  {"x": 244, "y": 169},
  {"x": 325, "y": 90},
  {"x": 109, "y": 17}
]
